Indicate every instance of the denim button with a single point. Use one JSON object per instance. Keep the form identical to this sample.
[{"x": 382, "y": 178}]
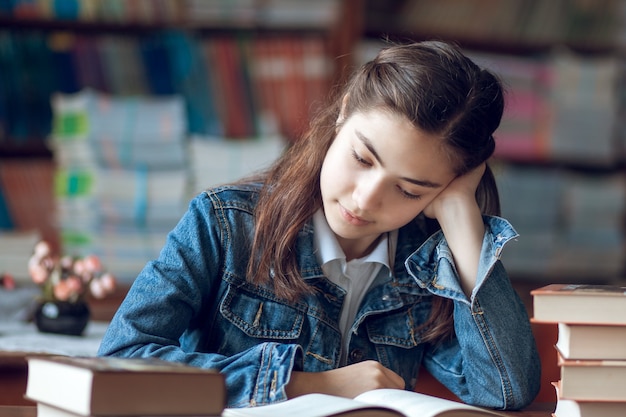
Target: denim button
[{"x": 356, "y": 355}]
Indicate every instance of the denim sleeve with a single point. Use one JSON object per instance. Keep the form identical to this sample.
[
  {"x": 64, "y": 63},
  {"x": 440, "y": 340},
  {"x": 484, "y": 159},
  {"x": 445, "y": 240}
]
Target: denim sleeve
[
  {"x": 492, "y": 360},
  {"x": 172, "y": 300}
]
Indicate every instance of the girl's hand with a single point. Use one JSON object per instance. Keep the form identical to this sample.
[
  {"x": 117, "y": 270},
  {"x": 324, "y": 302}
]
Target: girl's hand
[
  {"x": 462, "y": 190},
  {"x": 348, "y": 381},
  {"x": 459, "y": 216}
]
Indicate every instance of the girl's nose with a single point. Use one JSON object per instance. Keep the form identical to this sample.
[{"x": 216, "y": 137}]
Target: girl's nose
[{"x": 368, "y": 193}]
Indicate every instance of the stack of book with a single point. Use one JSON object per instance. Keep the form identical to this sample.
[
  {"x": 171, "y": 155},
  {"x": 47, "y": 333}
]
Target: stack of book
[
  {"x": 122, "y": 177},
  {"x": 64, "y": 386},
  {"x": 591, "y": 346}
]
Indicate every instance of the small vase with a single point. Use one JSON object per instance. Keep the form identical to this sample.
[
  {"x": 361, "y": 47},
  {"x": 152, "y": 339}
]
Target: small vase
[{"x": 62, "y": 317}]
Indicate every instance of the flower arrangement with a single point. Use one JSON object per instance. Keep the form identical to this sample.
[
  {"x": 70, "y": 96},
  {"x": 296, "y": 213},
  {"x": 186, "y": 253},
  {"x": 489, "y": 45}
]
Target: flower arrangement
[{"x": 68, "y": 278}]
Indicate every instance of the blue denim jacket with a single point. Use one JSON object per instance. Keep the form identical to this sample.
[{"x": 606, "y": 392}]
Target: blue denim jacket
[{"x": 194, "y": 305}]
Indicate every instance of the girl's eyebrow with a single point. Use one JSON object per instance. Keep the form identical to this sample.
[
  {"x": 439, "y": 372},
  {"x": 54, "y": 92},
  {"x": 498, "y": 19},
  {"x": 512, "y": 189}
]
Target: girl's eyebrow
[{"x": 370, "y": 147}]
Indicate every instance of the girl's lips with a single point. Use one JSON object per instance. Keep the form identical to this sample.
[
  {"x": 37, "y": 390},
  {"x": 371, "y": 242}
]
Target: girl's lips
[{"x": 350, "y": 218}]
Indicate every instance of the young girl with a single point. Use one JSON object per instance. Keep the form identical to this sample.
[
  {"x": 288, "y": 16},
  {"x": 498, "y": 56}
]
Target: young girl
[{"x": 370, "y": 248}]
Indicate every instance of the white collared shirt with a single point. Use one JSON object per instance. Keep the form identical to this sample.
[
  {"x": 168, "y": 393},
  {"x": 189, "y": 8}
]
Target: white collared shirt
[{"x": 354, "y": 276}]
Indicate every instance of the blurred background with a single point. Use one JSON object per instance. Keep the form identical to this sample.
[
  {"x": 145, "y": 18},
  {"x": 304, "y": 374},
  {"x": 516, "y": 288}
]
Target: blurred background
[{"x": 114, "y": 113}]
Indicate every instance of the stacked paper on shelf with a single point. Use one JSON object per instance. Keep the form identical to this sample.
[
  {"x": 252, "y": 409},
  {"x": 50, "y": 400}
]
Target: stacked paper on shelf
[{"x": 122, "y": 178}]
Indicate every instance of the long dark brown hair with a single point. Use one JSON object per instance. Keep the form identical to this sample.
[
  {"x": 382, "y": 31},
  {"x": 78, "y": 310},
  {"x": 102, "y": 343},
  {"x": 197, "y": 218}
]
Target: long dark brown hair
[{"x": 432, "y": 84}]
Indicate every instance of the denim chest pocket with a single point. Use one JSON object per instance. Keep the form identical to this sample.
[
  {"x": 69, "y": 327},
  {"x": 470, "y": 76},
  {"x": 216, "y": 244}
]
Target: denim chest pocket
[
  {"x": 261, "y": 317},
  {"x": 399, "y": 329}
]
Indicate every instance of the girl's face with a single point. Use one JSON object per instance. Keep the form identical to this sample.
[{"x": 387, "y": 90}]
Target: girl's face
[{"x": 379, "y": 173}]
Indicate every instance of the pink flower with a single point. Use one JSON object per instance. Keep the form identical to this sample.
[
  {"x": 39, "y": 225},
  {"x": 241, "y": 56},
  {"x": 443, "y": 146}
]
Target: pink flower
[
  {"x": 102, "y": 286},
  {"x": 78, "y": 267},
  {"x": 68, "y": 278},
  {"x": 96, "y": 288},
  {"x": 38, "y": 272},
  {"x": 41, "y": 250},
  {"x": 62, "y": 291},
  {"x": 92, "y": 263},
  {"x": 108, "y": 282}
]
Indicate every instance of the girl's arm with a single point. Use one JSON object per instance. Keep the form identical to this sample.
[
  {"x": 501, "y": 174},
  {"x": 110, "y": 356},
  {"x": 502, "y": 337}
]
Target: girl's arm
[
  {"x": 492, "y": 360},
  {"x": 172, "y": 304},
  {"x": 459, "y": 216}
]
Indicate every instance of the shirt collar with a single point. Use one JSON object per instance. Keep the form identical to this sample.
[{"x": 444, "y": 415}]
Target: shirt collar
[{"x": 327, "y": 247}]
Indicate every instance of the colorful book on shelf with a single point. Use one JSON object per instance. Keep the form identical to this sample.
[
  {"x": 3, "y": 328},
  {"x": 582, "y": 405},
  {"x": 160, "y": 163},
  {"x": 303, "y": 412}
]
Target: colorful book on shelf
[
  {"x": 571, "y": 408},
  {"x": 127, "y": 79},
  {"x": 227, "y": 65},
  {"x": 88, "y": 61},
  {"x": 592, "y": 380},
  {"x": 580, "y": 303},
  {"x": 104, "y": 386},
  {"x": 191, "y": 74},
  {"x": 294, "y": 110},
  {"x": 62, "y": 46},
  {"x": 580, "y": 341},
  {"x": 266, "y": 71},
  {"x": 376, "y": 403},
  {"x": 155, "y": 56}
]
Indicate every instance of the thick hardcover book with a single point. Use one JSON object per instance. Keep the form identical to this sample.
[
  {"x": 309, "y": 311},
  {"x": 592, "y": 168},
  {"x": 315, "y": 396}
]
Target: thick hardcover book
[
  {"x": 102, "y": 386},
  {"x": 573, "y": 303},
  {"x": 592, "y": 380},
  {"x": 592, "y": 341}
]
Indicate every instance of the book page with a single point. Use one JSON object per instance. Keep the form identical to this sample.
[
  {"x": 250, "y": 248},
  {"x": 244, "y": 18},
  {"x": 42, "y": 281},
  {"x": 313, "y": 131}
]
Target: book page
[
  {"x": 414, "y": 404},
  {"x": 313, "y": 405}
]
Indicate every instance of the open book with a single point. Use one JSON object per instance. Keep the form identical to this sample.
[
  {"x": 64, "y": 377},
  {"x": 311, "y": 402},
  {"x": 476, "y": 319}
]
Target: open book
[{"x": 376, "y": 403}]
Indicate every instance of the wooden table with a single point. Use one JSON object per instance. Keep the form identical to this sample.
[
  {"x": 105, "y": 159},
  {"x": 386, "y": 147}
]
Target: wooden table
[
  {"x": 18, "y": 340},
  {"x": 18, "y": 411},
  {"x": 537, "y": 410},
  {"x": 534, "y": 410}
]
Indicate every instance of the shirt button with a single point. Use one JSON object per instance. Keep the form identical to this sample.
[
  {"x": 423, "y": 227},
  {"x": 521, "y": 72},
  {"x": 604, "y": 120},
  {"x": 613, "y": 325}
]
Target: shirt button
[{"x": 356, "y": 355}]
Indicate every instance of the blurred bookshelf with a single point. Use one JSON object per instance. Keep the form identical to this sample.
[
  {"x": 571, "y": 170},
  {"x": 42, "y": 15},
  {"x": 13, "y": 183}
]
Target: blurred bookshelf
[
  {"x": 249, "y": 74},
  {"x": 209, "y": 89}
]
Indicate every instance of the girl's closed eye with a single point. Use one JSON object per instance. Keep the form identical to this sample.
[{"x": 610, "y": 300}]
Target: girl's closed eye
[
  {"x": 360, "y": 159},
  {"x": 409, "y": 195}
]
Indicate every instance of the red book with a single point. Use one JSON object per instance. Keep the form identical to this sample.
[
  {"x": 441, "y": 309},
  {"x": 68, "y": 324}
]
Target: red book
[{"x": 226, "y": 64}]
